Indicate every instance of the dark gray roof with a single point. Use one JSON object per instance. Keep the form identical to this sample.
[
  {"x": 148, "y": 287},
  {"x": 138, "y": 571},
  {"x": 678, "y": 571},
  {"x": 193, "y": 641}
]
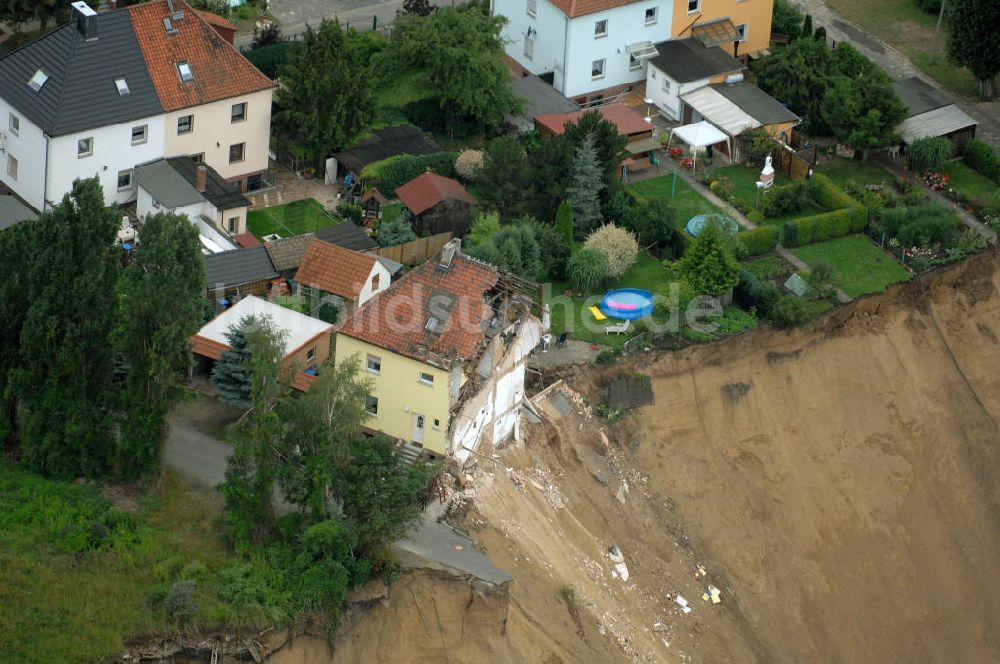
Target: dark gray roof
[
  {"x": 384, "y": 143},
  {"x": 686, "y": 60},
  {"x": 237, "y": 267},
  {"x": 348, "y": 236},
  {"x": 81, "y": 93},
  {"x": 756, "y": 103},
  {"x": 13, "y": 211},
  {"x": 537, "y": 98},
  {"x": 920, "y": 97},
  {"x": 172, "y": 182}
]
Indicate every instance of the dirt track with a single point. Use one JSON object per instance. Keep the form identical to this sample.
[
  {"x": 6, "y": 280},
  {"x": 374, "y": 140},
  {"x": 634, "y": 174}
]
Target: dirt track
[{"x": 840, "y": 486}]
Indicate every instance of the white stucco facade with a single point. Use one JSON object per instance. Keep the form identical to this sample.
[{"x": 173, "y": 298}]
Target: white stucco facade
[
  {"x": 668, "y": 98},
  {"x": 28, "y": 147},
  {"x": 213, "y": 132},
  {"x": 568, "y": 47},
  {"x": 146, "y": 205},
  {"x": 377, "y": 281}
]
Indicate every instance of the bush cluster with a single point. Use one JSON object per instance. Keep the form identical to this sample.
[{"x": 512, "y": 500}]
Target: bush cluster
[
  {"x": 395, "y": 171},
  {"x": 980, "y": 156},
  {"x": 766, "y": 299},
  {"x": 929, "y": 154},
  {"x": 618, "y": 246},
  {"x": 587, "y": 269},
  {"x": 759, "y": 241},
  {"x": 921, "y": 225},
  {"x": 789, "y": 199},
  {"x": 846, "y": 216},
  {"x": 468, "y": 164}
]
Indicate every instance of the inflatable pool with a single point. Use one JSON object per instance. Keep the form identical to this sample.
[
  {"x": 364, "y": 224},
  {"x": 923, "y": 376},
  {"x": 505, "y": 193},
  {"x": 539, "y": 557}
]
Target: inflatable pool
[{"x": 627, "y": 303}]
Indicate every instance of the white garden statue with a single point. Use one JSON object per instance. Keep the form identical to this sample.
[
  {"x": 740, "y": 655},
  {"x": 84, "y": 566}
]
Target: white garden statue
[{"x": 766, "y": 175}]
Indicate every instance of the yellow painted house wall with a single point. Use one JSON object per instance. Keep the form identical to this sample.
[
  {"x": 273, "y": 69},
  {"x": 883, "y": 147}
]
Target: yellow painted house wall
[
  {"x": 755, "y": 13},
  {"x": 400, "y": 393}
]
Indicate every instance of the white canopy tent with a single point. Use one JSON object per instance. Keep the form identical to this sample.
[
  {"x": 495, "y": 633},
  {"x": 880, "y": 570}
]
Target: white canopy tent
[{"x": 699, "y": 135}]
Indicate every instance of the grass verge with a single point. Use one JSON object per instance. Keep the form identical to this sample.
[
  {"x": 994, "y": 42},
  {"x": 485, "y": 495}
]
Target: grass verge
[
  {"x": 970, "y": 183},
  {"x": 684, "y": 198},
  {"x": 295, "y": 218}
]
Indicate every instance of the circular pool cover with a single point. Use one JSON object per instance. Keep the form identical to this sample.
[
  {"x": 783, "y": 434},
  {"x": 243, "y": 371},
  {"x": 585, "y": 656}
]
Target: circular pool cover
[
  {"x": 627, "y": 303},
  {"x": 727, "y": 224}
]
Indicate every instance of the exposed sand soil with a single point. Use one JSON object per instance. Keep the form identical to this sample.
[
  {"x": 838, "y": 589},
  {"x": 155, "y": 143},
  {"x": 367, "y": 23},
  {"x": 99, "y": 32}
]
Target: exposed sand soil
[{"x": 839, "y": 486}]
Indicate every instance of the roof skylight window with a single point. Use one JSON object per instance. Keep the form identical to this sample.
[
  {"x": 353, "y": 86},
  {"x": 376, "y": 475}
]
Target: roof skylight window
[
  {"x": 122, "y": 86},
  {"x": 38, "y": 80},
  {"x": 184, "y": 69}
]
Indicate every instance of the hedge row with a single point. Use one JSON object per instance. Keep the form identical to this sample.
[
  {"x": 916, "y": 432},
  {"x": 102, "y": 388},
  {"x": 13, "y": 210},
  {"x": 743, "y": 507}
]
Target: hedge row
[
  {"x": 846, "y": 216},
  {"x": 760, "y": 240},
  {"x": 981, "y": 157},
  {"x": 390, "y": 173}
]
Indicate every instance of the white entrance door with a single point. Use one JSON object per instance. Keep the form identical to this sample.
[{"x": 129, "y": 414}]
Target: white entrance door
[{"x": 418, "y": 429}]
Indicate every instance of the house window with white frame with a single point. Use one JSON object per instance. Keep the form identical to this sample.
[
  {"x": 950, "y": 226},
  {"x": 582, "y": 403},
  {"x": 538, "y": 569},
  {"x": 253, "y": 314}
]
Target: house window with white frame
[
  {"x": 236, "y": 152},
  {"x": 185, "y": 124},
  {"x": 84, "y": 147},
  {"x": 597, "y": 69},
  {"x": 233, "y": 223},
  {"x": 125, "y": 180},
  {"x": 374, "y": 364},
  {"x": 634, "y": 63},
  {"x": 371, "y": 405},
  {"x": 311, "y": 353},
  {"x": 15, "y": 125},
  {"x": 239, "y": 112},
  {"x": 185, "y": 72},
  {"x": 426, "y": 378},
  {"x": 666, "y": 84},
  {"x": 694, "y": 6},
  {"x": 652, "y": 15},
  {"x": 532, "y": 7},
  {"x": 601, "y": 28},
  {"x": 140, "y": 134},
  {"x": 741, "y": 32},
  {"x": 12, "y": 166}
]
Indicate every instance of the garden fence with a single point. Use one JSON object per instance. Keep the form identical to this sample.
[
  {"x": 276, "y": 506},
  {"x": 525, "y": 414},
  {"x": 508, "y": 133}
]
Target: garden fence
[{"x": 417, "y": 250}]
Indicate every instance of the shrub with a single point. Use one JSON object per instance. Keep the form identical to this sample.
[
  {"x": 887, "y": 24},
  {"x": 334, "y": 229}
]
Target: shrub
[
  {"x": 605, "y": 357},
  {"x": 788, "y": 199},
  {"x": 179, "y": 601},
  {"x": 587, "y": 269},
  {"x": 618, "y": 246},
  {"x": 554, "y": 250},
  {"x": 846, "y": 216},
  {"x": 929, "y": 6},
  {"x": 350, "y": 211},
  {"x": 759, "y": 241},
  {"x": 929, "y": 154},
  {"x": 788, "y": 311},
  {"x": 468, "y": 164},
  {"x": 980, "y": 156},
  {"x": 754, "y": 145},
  {"x": 919, "y": 225},
  {"x": 512, "y": 248},
  {"x": 751, "y": 292},
  {"x": 271, "y": 59},
  {"x": 564, "y": 222},
  {"x": 708, "y": 264},
  {"x": 395, "y": 231},
  {"x": 395, "y": 171},
  {"x": 786, "y": 19}
]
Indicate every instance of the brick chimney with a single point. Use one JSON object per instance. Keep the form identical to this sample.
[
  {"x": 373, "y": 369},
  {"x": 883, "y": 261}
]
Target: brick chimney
[{"x": 202, "y": 182}]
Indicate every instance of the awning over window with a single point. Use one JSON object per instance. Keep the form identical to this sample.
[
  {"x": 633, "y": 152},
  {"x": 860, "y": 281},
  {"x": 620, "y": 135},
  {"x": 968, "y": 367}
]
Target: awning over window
[
  {"x": 714, "y": 33},
  {"x": 643, "y": 50}
]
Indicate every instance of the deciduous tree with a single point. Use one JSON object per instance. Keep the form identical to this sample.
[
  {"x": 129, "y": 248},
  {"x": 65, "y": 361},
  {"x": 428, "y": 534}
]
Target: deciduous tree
[
  {"x": 864, "y": 111},
  {"x": 161, "y": 306},
  {"x": 974, "y": 40}
]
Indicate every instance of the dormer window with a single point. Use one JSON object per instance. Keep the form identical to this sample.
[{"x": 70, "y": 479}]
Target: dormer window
[
  {"x": 184, "y": 69},
  {"x": 122, "y": 86},
  {"x": 38, "y": 80}
]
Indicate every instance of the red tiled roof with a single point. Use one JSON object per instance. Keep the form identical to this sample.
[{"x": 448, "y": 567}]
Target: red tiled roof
[
  {"x": 335, "y": 270},
  {"x": 397, "y": 318},
  {"x": 220, "y": 71},
  {"x": 574, "y": 8},
  {"x": 624, "y": 117},
  {"x": 246, "y": 240},
  {"x": 428, "y": 189},
  {"x": 216, "y": 20}
]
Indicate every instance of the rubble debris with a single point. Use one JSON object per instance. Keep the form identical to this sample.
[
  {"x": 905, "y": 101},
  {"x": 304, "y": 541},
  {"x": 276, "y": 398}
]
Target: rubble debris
[
  {"x": 712, "y": 594},
  {"x": 619, "y": 560},
  {"x": 683, "y": 603}
]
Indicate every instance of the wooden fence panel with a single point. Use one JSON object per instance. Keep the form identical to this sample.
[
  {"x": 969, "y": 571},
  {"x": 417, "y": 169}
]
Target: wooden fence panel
[{"x": 417, "y": 250}]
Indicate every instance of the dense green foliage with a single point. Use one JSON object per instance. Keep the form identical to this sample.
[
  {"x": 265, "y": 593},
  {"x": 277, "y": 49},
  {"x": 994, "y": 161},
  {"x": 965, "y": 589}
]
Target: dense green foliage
[
  {"x": 845, "y": 215},
  {"x": 919, "y": 225},
  {"x": 766, "y": 299},
  {"x": 583, "y": 190},
  {"x": 708, "y": 263},
  {"x": 503, "y": 179},
  {"x": 929, "y": 154},
  {"x": 325, "y": 99},
  {"x": 460, "y": 51},
  {"x": 271, "y": 59},
  {"x": 929, "y": 6},
  {"x": 980, "y": 156},
  {"x": 618, "y": 246},
  {"x": 791, "y": 198},
  {"x": 564, "y": 222},
  {"x": 754, "y": 145},
  {"x": 786, "y": 19},
  {"x": 608, "y": 144},
  {"x": 974, "y": 40},
  {"x": 587, "y": 270},
  {"x": 395, "y": 231},
  {"x": 390, "y": 173},
  {"x": 514, "y": 248},
  {"x": 153, "y": 334},
  {"x": 759, "y": 240},
  {"x": 863, "y": 111}
]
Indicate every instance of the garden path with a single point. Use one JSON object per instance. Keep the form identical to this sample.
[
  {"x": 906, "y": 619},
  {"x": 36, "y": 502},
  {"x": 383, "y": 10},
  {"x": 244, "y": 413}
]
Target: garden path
[
  {"x": 742, "y": 220},
  {"x": 967, "y": 219},
  {"x": 898, "y": 66}
]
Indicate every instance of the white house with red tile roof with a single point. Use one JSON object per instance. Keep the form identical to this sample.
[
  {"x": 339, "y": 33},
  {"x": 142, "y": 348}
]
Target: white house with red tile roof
[
  {"x": 350, "y": 277},
  {"x": 108, "y": 91},
  {"x": 586, "y": 47}
]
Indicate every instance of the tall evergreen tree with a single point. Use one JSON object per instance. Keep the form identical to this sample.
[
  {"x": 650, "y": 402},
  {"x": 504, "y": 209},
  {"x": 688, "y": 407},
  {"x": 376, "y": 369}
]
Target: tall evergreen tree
[
  {"x": 582, "y": 194},
  {"x": 708, "y": 264},
  {"x": 232, "y": 374},
  {"x": 66, "y": 363},
  {"x": 15, "y": 251},
  {"x": 325, "y": 99},
  {"x": 608, "y": 143},
  {"x": 161, "y": 306},
  {"x": 564, "y": 221},
  {"x": 502, "y": 179},
  {"x": 974, "y": 40}
]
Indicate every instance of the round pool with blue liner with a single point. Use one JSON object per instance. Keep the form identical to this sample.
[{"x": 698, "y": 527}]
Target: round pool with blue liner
[{"x": 627, "y": 303}]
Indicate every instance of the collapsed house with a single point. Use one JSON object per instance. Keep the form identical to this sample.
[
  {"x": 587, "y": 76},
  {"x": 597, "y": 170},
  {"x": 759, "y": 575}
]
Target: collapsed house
[{"x": 445, "y": 348}]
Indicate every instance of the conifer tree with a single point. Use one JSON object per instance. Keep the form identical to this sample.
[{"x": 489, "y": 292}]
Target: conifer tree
[{"x": 586, "y": 183}]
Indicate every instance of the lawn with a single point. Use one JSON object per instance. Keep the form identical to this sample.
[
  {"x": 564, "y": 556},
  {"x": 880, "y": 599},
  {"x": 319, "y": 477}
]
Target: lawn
[
  {"x": 74, "y": 580},
  {"x": 409, "y": 87},
  {"x": 296, "y": 218},
  {"x": 686, "y": 200},
  {"x": 901, "y": 24},
  {"x": 648, "y": 273},
  {"x": 861, "y": 265},
  {"x": 971, "y": 183},
  {"x": 844, "y": 171}
]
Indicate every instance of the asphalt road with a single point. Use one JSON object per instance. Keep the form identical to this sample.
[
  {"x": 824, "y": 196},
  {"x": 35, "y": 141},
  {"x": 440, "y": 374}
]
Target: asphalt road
[{"x": 293, "y": 15}]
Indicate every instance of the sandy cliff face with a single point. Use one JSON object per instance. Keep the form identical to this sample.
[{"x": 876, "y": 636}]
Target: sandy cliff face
[{"x": 839, "y": 486}]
